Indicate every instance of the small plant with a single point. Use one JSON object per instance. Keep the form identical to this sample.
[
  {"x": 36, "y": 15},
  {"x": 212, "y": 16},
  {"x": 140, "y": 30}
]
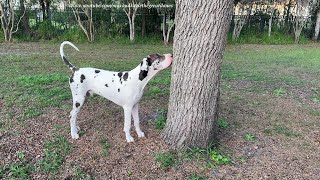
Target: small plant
[
  {"x": 279, "y": 92},
  {"x": 196, "y": 177},
  {"x": 20, "y": 155},
  {"x": 166, "y": 159},
  {"x": 218, "y": 158},
  {"x": 2, "y": 169},
  {"x": 222, "y": 123},
  {"x": 267, "y": 131},
  {"x": 249, "y": 137},
  {"x": 80, "y": 174},
  {"x": 105, "y": 146},
  {"x": 316, "y": 100},
  {"x": 161, "y": 120},
  {"x": 285, "y": 131},
  {"x": 55, "y": 151},
  {"x": 20, "y": 170}
]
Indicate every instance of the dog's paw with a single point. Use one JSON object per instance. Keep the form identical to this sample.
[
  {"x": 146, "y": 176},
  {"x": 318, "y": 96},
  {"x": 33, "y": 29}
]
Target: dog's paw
[
  {"x": 75, "y": 136},
  {"x": 140, "y": 134},
  {"x": 129, "y": 139}
]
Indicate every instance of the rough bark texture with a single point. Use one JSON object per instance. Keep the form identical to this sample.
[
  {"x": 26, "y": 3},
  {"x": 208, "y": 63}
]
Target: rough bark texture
[{"x": 199, "y": 43}]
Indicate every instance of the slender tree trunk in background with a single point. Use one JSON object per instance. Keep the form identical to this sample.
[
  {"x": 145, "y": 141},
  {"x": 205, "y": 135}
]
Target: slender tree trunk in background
[
  {"x": 270, "y": 21},
  {"x": 143, "y": 20},
  {"x": 164, "y": 27},
  {"x": 317, "y": 28},
  {"x": 25, "y": 19},
  {"x": 43, "y": 9},
  {"x": 288, "y": 12},
  {"x": 200, "y": 39},
  {"x": 47, "y": 3},
  {"x": 131, "y": 14}
]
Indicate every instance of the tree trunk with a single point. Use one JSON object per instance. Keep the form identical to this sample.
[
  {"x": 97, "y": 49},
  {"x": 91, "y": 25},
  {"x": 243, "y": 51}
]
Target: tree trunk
[
  {"x": 164, "y": 27},
  {"x": 143, "y": 20},
  {"x": 200, "y": 39},
  {"x": 25, "y": 18},
  {"x": 317, "y": 28},
  {"x": 43, "y": 9},
  {"x": 270, "y": 22}
]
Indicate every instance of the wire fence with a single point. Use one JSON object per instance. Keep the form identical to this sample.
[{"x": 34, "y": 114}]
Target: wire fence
[{"x": 114, "y": 22}]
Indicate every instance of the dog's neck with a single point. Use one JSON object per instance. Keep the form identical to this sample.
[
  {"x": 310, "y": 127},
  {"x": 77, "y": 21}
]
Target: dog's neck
[{"x": 136, "y": 75}]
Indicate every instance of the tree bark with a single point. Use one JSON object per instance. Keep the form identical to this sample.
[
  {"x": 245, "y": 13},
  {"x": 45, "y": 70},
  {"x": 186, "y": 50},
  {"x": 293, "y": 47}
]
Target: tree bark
[
  {"x": 199, "y": 43},
  {"x": 317, "y": 28}
]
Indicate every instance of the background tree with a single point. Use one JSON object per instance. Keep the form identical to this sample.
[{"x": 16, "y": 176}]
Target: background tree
[
  {"x": 45, "y": 8},
  {"x": 131, "y": 12},
  {"x": 143, "y": 18},
  {"x": 85, "y": 8},
  {"x": 8, "y": 19},
  {"x": 167, "y": 20},
  {"x": 301, "y": 12},
  {"x": 199, "y": 43},
  {"x": 25, "y": 19},
  {"x": 239, "y": 20},
  {"x": 315, "y": 6}
]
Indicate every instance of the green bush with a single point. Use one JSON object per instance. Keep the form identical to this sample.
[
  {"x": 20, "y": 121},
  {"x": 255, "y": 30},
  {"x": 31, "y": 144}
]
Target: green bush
[{"x": 45, "y": 30}]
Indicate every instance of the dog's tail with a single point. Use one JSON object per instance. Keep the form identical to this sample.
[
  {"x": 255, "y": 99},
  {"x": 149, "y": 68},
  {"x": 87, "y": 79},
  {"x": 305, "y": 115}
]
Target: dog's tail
[{"x": 71, "y": 66}]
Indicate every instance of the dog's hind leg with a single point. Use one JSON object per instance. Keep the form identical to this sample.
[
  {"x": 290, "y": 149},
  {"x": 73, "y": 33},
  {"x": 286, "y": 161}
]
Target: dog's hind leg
[
  {"x": 135, "y": 115},
  {"x": 78, "y": 101}
]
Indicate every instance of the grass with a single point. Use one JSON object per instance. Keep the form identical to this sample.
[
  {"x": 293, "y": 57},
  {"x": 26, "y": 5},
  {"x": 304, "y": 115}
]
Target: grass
[
  {"x": 222, "y": 123},
  {"x": 105, "y": 146},
  {"x": 160, "y": 121},
  {"x": 285, "y": 131},
  {"x": 166, "y": 159},
  {"x": 19, "y": 169},
  {"x": 197, "y": 177},
  {"x": 55, "y": 151},
  {"x": 279, "y": 92},
  {"x": 258, "y": 82},
  {"x": 249, "y": 137}
]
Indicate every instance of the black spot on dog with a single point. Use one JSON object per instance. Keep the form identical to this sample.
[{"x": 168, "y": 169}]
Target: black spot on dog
[
  {"x": 125, "y": 76},
  {"x": 106, "y": 85},
  {"x": 112, "y": 80},
  {"x": 141, "y": 63},
  {"x": 77, "y": 104},
  {"x": 143, "y": 74},
  {"x": 118, "y": 89},
  {"x": 82, "y": 77},
  {"x": 149, "y": 61},
  {"x": 97, "y": 71},
  {"x": 120, "y": 74},
  {"x": 114, "y": 75},
  {"x": 88, "y": 94},
  {"x": 71, "y": 78}
]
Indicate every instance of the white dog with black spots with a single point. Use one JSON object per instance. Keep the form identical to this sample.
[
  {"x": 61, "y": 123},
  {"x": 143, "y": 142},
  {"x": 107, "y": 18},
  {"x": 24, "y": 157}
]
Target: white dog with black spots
[{"x": 123, "y": 88}]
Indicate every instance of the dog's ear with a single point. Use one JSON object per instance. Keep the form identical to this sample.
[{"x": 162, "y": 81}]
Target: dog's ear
[{"x": 151, "y": 58}]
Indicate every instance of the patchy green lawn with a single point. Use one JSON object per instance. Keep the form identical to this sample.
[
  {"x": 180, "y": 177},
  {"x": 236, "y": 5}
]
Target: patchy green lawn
[{"x": 269, "y": 124}]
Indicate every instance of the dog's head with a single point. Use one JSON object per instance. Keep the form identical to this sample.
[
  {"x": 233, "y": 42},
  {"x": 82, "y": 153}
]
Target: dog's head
[{"x": 154, "y": 63}]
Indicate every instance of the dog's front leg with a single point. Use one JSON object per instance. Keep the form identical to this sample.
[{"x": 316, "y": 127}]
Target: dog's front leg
[
  {"x": 127, "y": 123},
  {"x": 135, "y": 115}
]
